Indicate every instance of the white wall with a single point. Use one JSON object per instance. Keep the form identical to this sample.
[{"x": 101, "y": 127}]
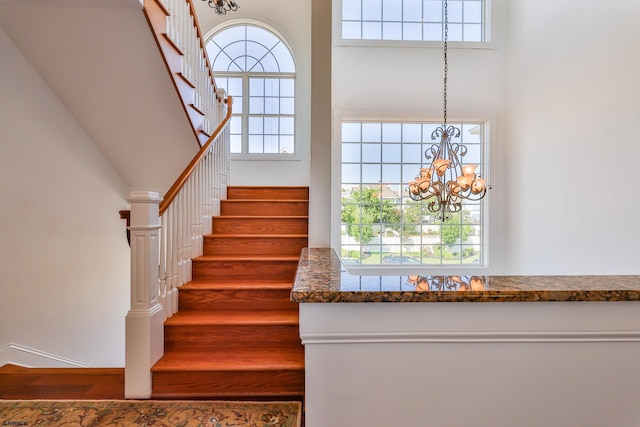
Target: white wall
[
  {"x": 573, "y": 111},
  {"x": 321, "y": 127},
  {"x": 561, "y": 80},
  {"x": 292, "y": 20},
  {"x": 64, "y": 259}
]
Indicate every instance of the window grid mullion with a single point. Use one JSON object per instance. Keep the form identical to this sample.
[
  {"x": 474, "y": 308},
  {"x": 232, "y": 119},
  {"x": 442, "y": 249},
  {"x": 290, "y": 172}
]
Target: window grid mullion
[{"x": 245, "y": 113}]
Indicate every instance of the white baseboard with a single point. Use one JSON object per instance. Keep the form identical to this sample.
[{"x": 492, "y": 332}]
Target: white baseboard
[{"x": 16, "y": 354}]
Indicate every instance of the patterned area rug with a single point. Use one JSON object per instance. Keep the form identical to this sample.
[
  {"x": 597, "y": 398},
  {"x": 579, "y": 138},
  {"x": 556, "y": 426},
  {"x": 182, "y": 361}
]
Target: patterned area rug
[{"x": 127, "y": 413}]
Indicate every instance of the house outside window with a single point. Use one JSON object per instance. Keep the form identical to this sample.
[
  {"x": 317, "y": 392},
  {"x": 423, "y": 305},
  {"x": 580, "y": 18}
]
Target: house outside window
[
  {"x": 256, "y": 67},
  {"x": 379, "y": 223}
]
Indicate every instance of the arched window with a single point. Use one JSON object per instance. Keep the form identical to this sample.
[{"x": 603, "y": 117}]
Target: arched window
[{"x": 256, "y": 67}]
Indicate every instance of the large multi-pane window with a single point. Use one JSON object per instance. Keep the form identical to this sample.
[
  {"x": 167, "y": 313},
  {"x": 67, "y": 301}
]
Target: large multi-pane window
[
  {"x": 257, "y": 69},
  {"x": 380, "y": 223},
  {"x": 413, "y": 20}
]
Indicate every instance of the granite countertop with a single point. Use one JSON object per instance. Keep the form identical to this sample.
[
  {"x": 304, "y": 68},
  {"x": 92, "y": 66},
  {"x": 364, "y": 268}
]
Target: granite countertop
[{"x": 322, "y": 278}]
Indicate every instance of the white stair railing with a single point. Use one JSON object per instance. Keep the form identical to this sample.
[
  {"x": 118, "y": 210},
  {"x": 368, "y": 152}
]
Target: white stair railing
[
  {"x": 185, "y": 220},
  {"x": 167, "y": 233}
]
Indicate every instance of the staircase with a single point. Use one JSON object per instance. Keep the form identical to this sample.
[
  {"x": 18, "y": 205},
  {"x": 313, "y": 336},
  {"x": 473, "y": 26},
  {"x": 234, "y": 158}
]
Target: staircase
[{"x": 236, "y": 331}]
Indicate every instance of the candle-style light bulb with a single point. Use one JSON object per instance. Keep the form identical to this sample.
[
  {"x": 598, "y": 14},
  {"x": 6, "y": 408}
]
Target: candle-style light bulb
[
  {"x": 441, "y": 166},
  {"x": 469, "y": 169},
  {"x": 478, "y": 186},
  {"x": 465, "y": 181}
]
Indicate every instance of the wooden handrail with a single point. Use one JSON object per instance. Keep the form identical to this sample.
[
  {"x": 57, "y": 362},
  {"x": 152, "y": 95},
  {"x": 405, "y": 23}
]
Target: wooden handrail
[
  {"x": 175, "y": 188},
  {"x": 204, "y": 48},
  {"x": 126, "y": 215}
]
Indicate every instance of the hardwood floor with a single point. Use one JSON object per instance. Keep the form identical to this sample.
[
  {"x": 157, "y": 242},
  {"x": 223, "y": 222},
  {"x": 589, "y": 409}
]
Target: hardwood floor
[{"x": 18, "y": 383}]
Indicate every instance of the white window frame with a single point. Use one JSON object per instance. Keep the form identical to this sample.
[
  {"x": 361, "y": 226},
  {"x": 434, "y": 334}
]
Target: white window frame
[
  {"x": 490, "y": 32},
  {"x": 246, "y": 76},
  {"x": 489, "y": 127}
]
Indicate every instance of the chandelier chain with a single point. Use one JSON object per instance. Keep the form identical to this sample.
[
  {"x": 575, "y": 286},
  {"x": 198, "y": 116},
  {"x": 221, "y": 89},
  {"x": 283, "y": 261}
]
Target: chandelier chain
[{"x": 446, "y": 63}]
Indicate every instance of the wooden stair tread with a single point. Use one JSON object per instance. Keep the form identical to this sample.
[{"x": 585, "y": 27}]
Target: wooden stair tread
[
  {"x": 266, "y": 200},
  {"x": 247, "y": 258},
  {"x": 255, "y": 236},
  {"x": 223, "y": 317},
  {"x": 222, "y": 284},
  {"x": 274, "y": 217},
  {"x": 268, "y": 192},
  {"x": 270, "y": 187},
  {"x": 233, "y": 359}
]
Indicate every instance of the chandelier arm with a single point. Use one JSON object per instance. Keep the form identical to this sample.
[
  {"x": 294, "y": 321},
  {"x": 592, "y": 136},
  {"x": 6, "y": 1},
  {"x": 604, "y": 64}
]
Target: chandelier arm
[
  {"x": 434, "y": 206},
  {"x": 431, "y": 152},
  {"x": 474, "y": 197},
  {"x": 458, "y": 151}
]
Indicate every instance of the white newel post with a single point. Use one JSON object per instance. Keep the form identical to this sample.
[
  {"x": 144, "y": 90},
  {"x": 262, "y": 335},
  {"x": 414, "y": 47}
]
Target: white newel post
[{"x": 145, "y": 320}]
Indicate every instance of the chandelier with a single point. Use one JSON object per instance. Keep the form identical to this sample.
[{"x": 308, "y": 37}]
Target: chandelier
[
  {"x": 222, "y": 6},
  {"x": 447, "y": 181}
]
